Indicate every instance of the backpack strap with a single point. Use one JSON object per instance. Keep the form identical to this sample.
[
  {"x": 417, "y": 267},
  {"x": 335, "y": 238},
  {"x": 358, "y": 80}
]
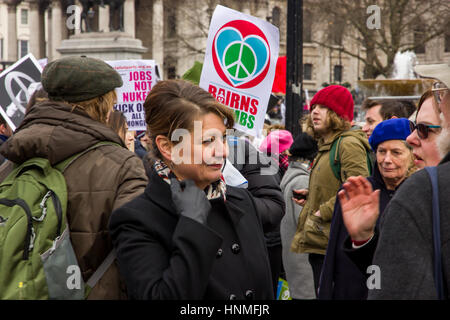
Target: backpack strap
[
  {"x": 438, "y": 273},
  {"x": 335, "y": 161},
  {"x": 98, "y": 274}
]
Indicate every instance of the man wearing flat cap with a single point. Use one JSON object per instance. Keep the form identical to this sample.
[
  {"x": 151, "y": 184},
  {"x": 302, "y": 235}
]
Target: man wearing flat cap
[
  {"x": 73, "y": 120},
  {"x": 405, "y": 254}
]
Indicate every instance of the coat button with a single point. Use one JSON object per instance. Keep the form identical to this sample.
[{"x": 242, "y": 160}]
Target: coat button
[
  {"x": 235, "y": 248},
  {"x": 219, "y": 253},
  {"x": 249, "y": 294},
  {"x": 233, "y": 297}
]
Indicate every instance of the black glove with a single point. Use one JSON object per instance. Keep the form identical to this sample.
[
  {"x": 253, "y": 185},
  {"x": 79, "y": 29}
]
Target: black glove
[{"x": 190, "y": 201}]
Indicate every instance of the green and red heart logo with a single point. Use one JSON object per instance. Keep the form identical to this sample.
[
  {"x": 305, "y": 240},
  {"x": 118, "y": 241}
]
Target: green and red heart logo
[{"x": 241, "y": 54}]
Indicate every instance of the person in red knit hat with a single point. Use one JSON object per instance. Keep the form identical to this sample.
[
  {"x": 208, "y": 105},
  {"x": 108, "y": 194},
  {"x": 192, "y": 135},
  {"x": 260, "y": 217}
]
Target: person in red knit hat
[{"x": 329, "y": 122}]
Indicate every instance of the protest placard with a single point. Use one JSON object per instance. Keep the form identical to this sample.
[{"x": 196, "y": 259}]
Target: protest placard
[
  {"x": 139, "y": 77},
  {"x": 17, "y": 84},
  {"x": 239, "y": 66}
]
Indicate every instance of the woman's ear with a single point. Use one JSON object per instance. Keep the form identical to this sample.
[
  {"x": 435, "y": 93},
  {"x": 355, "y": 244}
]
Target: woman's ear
[{"x": 164, "y": 146}]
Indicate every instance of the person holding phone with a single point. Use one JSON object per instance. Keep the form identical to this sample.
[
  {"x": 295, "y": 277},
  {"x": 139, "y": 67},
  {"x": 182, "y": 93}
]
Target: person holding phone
[
  {"x": 296, "y": 266},
  {"x": 329, "y": 122}
]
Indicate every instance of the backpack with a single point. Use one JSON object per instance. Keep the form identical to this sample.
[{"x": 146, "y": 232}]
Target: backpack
[
  {"x": 335, "y": 162},
  {"x": 37, "y": 260}
]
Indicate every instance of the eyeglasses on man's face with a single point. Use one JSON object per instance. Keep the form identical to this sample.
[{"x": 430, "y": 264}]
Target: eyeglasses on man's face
[{"x": 422, "y": 129}]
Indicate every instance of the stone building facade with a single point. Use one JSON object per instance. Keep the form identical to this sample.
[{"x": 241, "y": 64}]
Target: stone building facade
[{"x": 174, "y": 32}]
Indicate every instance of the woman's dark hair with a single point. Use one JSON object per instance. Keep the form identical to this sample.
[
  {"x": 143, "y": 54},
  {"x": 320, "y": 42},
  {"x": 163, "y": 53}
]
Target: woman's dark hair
[
  {"x": 176, "y": 104},
  {"x": 391, "y": 108}
]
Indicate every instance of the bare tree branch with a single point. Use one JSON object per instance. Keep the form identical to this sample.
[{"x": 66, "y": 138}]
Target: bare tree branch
[{"x": 402, "y": 20}]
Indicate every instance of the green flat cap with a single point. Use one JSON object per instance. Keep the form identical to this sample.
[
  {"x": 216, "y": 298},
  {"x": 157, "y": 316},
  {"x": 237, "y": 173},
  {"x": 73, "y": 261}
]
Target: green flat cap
[{"x": 75, "y": 79}]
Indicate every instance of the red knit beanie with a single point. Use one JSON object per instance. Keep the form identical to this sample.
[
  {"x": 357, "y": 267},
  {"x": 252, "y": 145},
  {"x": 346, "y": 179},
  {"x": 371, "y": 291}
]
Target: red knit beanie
[{"x": 336, "y": 98}]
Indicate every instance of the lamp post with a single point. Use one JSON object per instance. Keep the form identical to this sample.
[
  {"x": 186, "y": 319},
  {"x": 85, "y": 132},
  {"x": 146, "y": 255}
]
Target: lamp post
[{"x": 294, "y": 66}]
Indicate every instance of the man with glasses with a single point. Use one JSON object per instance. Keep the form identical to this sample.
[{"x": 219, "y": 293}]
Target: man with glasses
[
  {"x": 404, "y": 256},
  {"x": 425, "y": 132},
  {"x": 405, "y": 248}
]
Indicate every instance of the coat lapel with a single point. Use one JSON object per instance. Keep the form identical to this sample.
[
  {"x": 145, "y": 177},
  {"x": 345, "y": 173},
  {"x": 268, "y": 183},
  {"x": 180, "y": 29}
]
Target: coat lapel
[{"x": 159, "y": 192}]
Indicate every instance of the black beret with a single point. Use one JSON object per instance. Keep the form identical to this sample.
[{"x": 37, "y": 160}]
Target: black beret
[
  {"x": 75, "y": 79},
  {"x": 304, "y": 146}
]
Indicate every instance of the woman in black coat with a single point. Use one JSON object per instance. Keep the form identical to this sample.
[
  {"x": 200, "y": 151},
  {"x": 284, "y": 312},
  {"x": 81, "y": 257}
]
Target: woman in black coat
[
  {"x": 189, "y": 236},
  {"x": 344, "y": 272}
]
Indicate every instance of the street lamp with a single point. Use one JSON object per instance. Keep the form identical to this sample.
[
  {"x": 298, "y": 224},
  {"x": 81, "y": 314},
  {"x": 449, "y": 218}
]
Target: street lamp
[{"x": 294, "y": 66}]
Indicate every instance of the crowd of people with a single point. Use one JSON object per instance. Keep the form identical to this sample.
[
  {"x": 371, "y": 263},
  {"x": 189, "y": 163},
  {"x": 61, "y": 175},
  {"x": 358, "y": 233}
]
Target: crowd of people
[{"x": 199, "y": 217}]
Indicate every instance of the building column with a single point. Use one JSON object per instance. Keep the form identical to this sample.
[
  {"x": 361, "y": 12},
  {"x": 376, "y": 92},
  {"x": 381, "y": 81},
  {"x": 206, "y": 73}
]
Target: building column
[
  {"x": 35, "y": 30},
  {"x": 78, "y": 18},
  {"x": 12, "y": 33},
  {"x": 56, "y": 30},
  {"x": 158, "y": 35},
  {"x": 129, "y": 19},
  {"x": 103, "y": 19}
]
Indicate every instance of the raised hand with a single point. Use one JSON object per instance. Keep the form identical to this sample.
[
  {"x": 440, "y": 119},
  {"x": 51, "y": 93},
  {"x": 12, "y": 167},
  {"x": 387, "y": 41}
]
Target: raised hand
[{"x": 360, "y": 207}]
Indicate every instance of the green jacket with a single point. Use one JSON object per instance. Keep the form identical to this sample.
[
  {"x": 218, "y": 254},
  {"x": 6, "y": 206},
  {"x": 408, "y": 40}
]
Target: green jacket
[{"x": 313, "y": 232}]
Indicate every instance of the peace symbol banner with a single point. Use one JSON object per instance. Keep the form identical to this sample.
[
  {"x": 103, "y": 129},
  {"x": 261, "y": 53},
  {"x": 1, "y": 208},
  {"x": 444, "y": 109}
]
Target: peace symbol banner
[
  {"x": 17, "y": 84},
  {"x": 239, "y": 66},
  {"x": 139, "y": 77}
]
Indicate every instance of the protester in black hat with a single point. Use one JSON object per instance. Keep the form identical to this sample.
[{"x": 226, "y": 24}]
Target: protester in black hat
[
  {"x": 73, "y": 120},
  {"x": 299, "y": 273}
]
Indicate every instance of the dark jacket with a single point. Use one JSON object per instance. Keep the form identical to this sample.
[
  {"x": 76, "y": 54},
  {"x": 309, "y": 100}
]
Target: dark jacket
[
  {"x": 264, "y": 187},
  {"x": 98, "y": 182},
  {"x": 162, "y": 255},
  {"x": 341, "y": 278},
  {"x": 139, "y": 149},
  {"x": 405, "y": 247}
]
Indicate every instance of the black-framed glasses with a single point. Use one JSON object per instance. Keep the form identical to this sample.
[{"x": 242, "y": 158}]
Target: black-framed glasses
[
  {"x": 439, "y": 90},
  {"x": 422, "y": 129}
]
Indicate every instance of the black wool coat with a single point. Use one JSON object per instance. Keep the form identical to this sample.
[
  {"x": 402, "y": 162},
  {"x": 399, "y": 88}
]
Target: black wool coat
[
  {"x": 344, "y": 270},
  {"x": 162, "y": 255}
]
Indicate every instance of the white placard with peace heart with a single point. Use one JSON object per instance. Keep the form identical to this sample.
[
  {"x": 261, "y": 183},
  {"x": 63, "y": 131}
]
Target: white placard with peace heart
[{"x": 239, "y": 65}]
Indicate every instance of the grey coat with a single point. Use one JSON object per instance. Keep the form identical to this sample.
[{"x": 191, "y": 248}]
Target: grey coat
[
  {"x": 405, "y": 247},
  {"x": 298, "y": 270}
]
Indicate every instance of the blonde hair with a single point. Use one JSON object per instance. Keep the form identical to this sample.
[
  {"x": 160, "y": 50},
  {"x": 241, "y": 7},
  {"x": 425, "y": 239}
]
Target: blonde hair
[
  {"x": 275, "y": 127},
  {"x": 98, "y": 107},
  {"x": 412, "y": 166},
  {"x": 333, "y": 122}
]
